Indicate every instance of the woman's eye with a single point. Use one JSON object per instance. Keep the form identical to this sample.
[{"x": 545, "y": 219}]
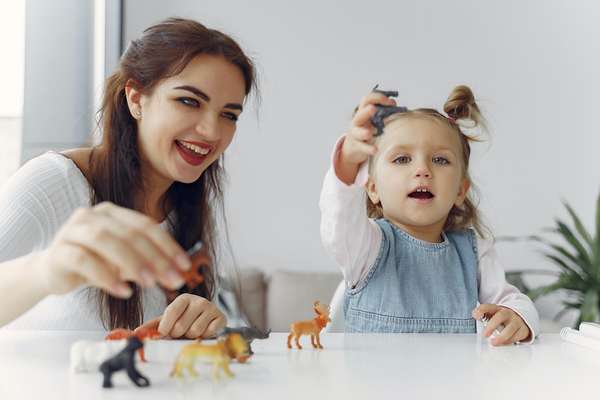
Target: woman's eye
[
  {"x": 231, "y": 116},
  {"x": 441, "y": 160},
  {"x": 402, "y": 160},
  {"x": 189, "y": 101}
]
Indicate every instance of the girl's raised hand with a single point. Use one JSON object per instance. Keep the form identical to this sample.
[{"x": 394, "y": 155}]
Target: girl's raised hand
[
  {"x": 105, "y": 246},
  {"x": 358, "y": 143},
  {"x": 189, "y": 316},
  {"x": 515, "y": 329}
]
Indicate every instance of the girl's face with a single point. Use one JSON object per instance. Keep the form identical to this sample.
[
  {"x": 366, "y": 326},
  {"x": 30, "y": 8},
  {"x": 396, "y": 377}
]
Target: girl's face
[
  {"x": 417, "y": 174},
  {"x": 188, "y": 120}
]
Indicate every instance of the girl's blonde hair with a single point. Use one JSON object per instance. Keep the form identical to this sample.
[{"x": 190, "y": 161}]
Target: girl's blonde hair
[{"x": 459, "y": 107}]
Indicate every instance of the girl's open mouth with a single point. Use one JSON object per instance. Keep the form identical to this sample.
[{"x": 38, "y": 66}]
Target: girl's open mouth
[{"x": 421, "y": 195}]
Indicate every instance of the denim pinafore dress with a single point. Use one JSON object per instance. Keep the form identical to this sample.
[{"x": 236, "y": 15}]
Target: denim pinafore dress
[{"x": 417, "y": 286}]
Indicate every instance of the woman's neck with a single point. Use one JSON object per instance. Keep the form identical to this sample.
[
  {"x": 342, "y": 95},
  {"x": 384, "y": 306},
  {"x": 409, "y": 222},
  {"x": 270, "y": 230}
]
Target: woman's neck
[
  {"x": 153, "y": 206},
  {"x": 152, "y": 200}
]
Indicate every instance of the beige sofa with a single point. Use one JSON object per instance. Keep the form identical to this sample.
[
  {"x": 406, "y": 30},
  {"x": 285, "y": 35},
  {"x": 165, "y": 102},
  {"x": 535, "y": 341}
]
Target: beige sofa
[{"x": 275, "y": 300}]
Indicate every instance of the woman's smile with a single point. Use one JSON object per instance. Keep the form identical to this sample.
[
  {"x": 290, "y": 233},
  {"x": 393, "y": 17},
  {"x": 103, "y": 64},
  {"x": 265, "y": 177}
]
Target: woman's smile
[{"x": 194, "y": 153}]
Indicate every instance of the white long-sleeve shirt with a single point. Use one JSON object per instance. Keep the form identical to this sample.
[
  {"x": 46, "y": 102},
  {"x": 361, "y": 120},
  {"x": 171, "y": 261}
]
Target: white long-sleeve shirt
[
  {"x": 354, "y": 240},
  {"x": 34, "y": 203}
]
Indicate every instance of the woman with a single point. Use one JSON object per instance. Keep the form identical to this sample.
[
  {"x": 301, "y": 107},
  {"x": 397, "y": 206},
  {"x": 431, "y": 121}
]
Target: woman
[{"x": 100, "y": 217}]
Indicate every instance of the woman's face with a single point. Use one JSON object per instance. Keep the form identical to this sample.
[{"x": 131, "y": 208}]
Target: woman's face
[{"x": 189, "y": 120}]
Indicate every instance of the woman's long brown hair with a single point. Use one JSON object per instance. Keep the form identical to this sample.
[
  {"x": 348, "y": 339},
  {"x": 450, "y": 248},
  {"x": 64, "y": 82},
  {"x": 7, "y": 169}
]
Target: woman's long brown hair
[{"x": 163, "y": 51}]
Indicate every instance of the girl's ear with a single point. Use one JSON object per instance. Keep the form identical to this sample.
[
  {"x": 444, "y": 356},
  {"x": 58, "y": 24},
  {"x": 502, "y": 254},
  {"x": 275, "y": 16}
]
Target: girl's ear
[
  {"x": 462, "y": 192},
  {"x": 134, "y": 96},
  {"x": 372, "y": 191}
]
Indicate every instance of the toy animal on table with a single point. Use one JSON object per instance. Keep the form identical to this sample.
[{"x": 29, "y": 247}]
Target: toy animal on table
[
  {"x": 87, "y": 355},
  {"x": 124, "y": 360},
  {"x": 141, "y": 333},
  {"x": 248, "y": 333},
  {"x": 194, "y": 277},
  {"x": 228, "y": 347},
  {"x": 311, "y": 327}
]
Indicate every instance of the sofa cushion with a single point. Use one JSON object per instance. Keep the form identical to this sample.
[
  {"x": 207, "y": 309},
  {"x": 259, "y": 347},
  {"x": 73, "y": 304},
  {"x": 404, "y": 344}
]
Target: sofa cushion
[
  {"x": 291, "y": 294},
  {"x": 253, "y": 296}
]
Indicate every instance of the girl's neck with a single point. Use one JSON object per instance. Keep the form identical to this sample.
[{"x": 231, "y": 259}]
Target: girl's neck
[{"x": 428, "y": 233}]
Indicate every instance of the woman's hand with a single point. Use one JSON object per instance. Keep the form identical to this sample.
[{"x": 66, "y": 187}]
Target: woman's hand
[
  {"x": 189, "y": 316},
  {"x": 515, "y": 329},
  {"x": 358, "y": 143},
  {"x": 105, "y": 246}
]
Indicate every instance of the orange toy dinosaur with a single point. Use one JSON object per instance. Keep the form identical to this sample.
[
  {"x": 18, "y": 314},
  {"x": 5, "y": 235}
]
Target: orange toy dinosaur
[
  {"x": 141, "y": 332},
  {"x": 232, "y": 346},
  {"x": 311, "y": 327}
]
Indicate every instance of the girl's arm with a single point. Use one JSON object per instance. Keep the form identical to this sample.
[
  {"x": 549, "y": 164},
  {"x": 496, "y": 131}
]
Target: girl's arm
[
  {"x": 494, "y": 289},
  {"x": 346, "y": 231}
]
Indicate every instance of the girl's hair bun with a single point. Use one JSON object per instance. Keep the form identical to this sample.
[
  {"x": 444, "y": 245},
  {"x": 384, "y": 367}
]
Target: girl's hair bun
[{"x": 461, "y": 105}]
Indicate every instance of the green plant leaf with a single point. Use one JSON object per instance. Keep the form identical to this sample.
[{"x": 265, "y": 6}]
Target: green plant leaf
[
  {"x": 597, "y": 238},
  {"x": 544, "y": 290},
  {"x": 578, "y": 265},
  {"x": 573, "y": 258},
  {"x": 579, "y": 226},
  {"x": 566, "y": 232},
  {"x": 589, "y": 308},
  {"x": 574, "y": 282},
  {"x": 561, "y": 263}
]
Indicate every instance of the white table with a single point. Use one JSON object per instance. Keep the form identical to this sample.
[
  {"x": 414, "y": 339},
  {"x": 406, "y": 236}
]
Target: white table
[{"x": 35, "y": 365}]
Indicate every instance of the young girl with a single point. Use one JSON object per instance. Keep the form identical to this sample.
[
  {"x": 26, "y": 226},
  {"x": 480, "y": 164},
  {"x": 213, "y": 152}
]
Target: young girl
[
  {"x": 412, "y": 258},
  {"x": 112, "y": 221}
]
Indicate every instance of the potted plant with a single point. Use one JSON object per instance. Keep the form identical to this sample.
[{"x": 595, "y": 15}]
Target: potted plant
[{"x": 578, "y": 260}]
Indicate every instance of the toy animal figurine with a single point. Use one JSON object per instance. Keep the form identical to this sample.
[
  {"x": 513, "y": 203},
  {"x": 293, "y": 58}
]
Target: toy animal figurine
[
  {"x": 124, "y": 360},
  {"x": 228, "y": 347},
  {"x": 386, "y": 93},
  {"x": 87, "y": 355},
  {"x": 248, "y": 333},
  {"x": 140, "y": 332},
  {"x": 311, "y": 327},
  {"x": 200, "y": 260},
  {"x": 383, "y": 111}
]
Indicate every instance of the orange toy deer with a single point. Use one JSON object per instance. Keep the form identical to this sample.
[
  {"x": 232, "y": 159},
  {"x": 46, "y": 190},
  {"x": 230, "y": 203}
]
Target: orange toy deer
[
  {"x": 311, "y": 327},
  {"x": 141, "y": 332}
]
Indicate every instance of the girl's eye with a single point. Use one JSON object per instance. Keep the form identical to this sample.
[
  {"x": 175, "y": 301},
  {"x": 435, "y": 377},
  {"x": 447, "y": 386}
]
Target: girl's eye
[
  {"x": 231, "y": 116},
  {"x": 402, "y": 160},
  {"x": 188, "y": 101},
  {"x": 441, "y": 160}
]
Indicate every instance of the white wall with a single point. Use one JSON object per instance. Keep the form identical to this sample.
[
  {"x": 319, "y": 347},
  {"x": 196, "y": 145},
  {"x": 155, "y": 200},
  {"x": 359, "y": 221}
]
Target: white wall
[
  {"x": 57, "y": 111},
  {"x": 12, "y": 43},
  {"x": 532, "y": 65}
]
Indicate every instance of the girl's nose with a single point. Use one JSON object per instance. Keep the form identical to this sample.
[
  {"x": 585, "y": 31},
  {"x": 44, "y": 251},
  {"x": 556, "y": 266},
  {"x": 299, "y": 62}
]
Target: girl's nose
[{"x": 422, "y": 171}]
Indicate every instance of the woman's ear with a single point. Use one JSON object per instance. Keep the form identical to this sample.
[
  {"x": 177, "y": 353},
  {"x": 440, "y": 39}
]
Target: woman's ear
[
  {"x": 462, "y": 192},
  {"x": 372, "y": 191},
  {"x": 134, "y": 96}
]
